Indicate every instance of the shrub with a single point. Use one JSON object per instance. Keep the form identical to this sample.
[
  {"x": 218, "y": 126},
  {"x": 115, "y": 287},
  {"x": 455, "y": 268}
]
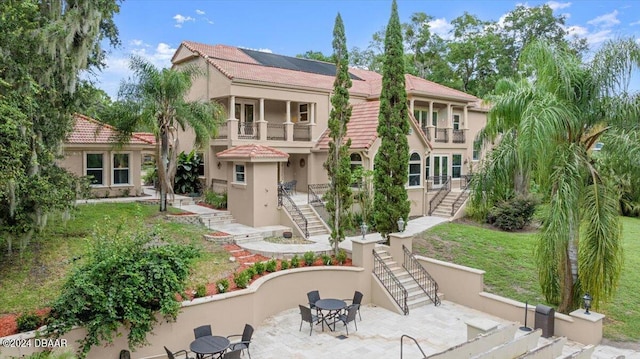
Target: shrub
[
  {"x": 284, "y": 264},
  {"x": 241, "y": 279},
  {"x": 309, "y": 258},
  {"x": 512, "y": 214},
  {"x": 251, "y": 272},
  {"x": 271, "y": 265},
  {"x": 341, "y": 257},
  {"x": 151, "y": 178},
  {"x": 216, "y": 200},
  {"x": 187, "y": 178},
  {"x": 259, "y": 267},
  {"x": 201, "y": 291},
  {"x": 28, "y": 321},
  {"x": 222, "y": 285},
  {"x": 327, "y": 260},
  {"x": 295, "y": 261}
]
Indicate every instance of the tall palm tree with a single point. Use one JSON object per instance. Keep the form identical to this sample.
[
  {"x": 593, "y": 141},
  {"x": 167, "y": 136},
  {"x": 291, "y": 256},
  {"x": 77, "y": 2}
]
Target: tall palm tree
[
  {"x": 547, "y": 124},
  {"x": 156, "y": 100}
]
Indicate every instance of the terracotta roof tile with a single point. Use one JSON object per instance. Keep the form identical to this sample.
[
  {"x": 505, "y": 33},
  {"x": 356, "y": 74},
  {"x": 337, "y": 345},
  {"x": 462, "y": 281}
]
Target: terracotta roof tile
[
  {"x": 252, "y": 151},
  {"x": 362, "y": 128},
  {"x": 87, "y": 130},
  {"x": 414, "y": 83}
]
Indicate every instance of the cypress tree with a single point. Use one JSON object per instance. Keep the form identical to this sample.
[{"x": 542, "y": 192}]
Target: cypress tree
[
  {"x": 391, "y": 162},
  {"x": 338, "y": 165}
]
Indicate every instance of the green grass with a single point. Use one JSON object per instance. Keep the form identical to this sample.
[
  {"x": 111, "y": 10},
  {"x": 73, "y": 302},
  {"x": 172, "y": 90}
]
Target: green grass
[
  {"x": 30, "y": 280},
  {"x": 510, "y": 269}
]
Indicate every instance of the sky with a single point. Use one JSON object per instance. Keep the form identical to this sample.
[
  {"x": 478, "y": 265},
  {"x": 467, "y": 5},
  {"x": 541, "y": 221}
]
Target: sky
[{"x": 154, "y": 29}]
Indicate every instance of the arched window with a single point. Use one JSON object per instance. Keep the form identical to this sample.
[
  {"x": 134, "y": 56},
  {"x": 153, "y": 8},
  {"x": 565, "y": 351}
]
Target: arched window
[
  {"x": 356, "y": 163},
  {"x": 415, "y": 165}
]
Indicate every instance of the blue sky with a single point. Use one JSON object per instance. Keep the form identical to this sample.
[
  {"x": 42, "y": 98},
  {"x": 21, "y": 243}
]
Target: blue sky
[{"x": 155, "y": 28}]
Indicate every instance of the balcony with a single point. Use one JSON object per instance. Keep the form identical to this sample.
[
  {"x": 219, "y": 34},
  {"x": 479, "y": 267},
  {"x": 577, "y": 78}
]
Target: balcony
[
  {"x": 442, "y": 135},
  {"x": 248, "y": 131},
  {"x": 458, "y": 136},
  {"x": 276, "y": 132}
]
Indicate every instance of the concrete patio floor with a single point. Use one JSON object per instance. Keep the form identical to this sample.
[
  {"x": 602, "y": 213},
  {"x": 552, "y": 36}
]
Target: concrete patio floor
[{"x": 378, "y": 335}]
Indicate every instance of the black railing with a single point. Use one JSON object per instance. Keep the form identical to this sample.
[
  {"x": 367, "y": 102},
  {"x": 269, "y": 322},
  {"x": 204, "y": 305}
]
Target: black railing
[
  {"x": 315, "y": 193},
  {"x": 301, "y": 132},
  {"x": 426, "y": 132},
  {"x": 421, "y": 276},
  {"x": 276, "y": 131},
  {"x": 248, "y": 130},
  {"x": 440, "y": 195},
  {"x": 464, "y": 185},
  {"x": 414, "y": 340},
  {"x": 457, "y": 136},
  {"x": 434, "y": 183},
  {"x": 284, "y": 200},
  {"x": 442, "y": 135},
  {"x": 390, "y": 282}
]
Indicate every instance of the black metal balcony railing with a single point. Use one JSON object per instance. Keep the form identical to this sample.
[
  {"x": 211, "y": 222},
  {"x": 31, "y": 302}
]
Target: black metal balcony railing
[
  {"x": 442, "y": 135},
  {"x": 276, "y": 131},
  {"x": 284, "y": 200},
  {"x": 248, "y": 131},
  {"x": 421, "y": 276},
  {"x": 426, "y": 132},
  {"x": 301, "y": 132},
  {"x": 457, "y": 136},
  {"x": 390, "y": 282},
  {"x": 440, "y": 195}
]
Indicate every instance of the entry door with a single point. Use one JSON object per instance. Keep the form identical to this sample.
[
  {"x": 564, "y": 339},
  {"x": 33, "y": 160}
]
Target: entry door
[{"x": 440, "y": 170}]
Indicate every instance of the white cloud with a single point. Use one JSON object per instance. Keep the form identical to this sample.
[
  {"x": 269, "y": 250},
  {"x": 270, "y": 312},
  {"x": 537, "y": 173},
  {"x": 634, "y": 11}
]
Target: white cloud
[
  {"x": 576, "y": 31},
  {"x": 441, "y": 27},
  {"x": 606, "y": 20},
  {"x": 556, "y": 5},
  {"x": 181, "y": 19},
  {"x": 200, "y": 12},
  {"x": 136, "y": 42},
  {"x": 599, "y": 37},
  {"x": 635, "y": 23}
]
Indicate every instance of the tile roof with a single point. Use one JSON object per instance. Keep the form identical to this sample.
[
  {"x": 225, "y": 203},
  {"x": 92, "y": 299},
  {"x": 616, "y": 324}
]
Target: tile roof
[
  {"x": 87, "y": 130},
  {"x": 252, "y": 151}
]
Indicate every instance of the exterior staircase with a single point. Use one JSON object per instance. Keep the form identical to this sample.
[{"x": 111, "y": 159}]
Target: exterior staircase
[
  {"x": 416, "y": 297},
  {"x": 217, "y": 218},
  {"x": 315, "y": 225},
  {"x": 444, "y": 208}
]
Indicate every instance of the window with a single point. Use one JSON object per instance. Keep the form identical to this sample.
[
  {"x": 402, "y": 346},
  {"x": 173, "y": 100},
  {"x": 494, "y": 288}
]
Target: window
[
  {"x": 95, "y": 168},
  {"x": 414, "y": 170},
  {"x": 456, "y": 122},
  {"x": 201, "y": 164},
  {"x": 239, "y": 173},
  {"x": 120, "y": 168},
  {"x": 476, "y": 150},
  {"x": 427, "y": 168},
  {"x": 434, "y": 119},
  {"x": 303, "y": 112},
  {"x": 456, "y": 166},
  {"x": 356, "y": 163},
  {"x": 244, "y": 110},
  {"x": 421, "y": 117}
]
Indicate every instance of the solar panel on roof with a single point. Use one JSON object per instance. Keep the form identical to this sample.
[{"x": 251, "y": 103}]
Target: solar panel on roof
[{"x": 294, "y": 63}]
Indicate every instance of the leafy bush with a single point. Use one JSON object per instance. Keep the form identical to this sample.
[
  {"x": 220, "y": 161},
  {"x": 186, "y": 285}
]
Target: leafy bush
[
  {"x": 295, "y": 261},
  {"x": 201, "y": 291},
  {"x": 512, "y": 214},
  {"x": 215, "y": 199},
  {"x": 124, "y": 280},
  {"x": 187, "y": 179},
  {"x": 271, "y": 265},
  {"x": 241, "y": 279},
  {"x": 309, "y": 258},
  {"x": 327, "y": 260},
  {"x": 28, "y": 321},
  {"x": 259, "y": 267},
  {"x": 151, "y": 178},
  {"x": 251, "y": 272},
  {"x": 341, "y": 257},
  {"x": 284, "y": 264},
  {"x": 222, "y": 285}
]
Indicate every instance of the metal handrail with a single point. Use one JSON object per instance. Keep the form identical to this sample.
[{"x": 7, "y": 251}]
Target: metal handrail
[
  {"x": 440, "y": 195},
  {"x": 421, "y": 276},
  {"x": 464, "y": 184},
  {"x": 279, "y": 131},
  {"x": 315, "y": 192},
  {"x": 414, "y": 340},
  {"x": 442, "y": 135},
  {"x": 284, "y": 200},
  {"x": 457, "y": 136},
  {"x": 390, "y": 282}
]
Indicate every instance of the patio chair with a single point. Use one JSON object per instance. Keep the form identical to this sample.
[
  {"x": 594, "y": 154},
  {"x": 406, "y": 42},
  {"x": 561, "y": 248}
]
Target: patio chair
[
  {"x": 202, "y": 331},
  {"x": 245, "y": 340},
  {"x": 313, "y": 297},
  {"x": 234, "y": 354},
  {"x": 306, "y": 316},
  {"x": 172, "y": 355},
  {"x": 350, "y": 317},
  {"x": 357, "y": 299}
]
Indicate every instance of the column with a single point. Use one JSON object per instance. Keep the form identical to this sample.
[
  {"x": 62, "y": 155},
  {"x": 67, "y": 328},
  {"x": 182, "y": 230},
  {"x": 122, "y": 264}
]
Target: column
[
  {"x": 396, "y": 241},
  {"x": 232, "y": 122},
  {"x": 262, "y": 124},
  {"x": 465, "y": 117},
  {"x": 430, "y": 129},
  {"x": 288, "y": 125},
  {"x": 411, "y": 105}
]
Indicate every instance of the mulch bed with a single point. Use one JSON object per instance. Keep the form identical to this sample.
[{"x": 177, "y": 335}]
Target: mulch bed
[
  {"x": 204, "y": 204},
  {"x": 8, "y": 325}
]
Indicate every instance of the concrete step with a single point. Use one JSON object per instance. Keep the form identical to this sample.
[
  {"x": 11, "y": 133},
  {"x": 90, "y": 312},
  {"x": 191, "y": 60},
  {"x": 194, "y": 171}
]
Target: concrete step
[{"x": 247, "y": 238}]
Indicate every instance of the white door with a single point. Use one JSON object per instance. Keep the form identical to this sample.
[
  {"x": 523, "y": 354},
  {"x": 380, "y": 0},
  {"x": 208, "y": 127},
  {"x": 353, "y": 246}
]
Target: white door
[{"x": 440, "y": 170}]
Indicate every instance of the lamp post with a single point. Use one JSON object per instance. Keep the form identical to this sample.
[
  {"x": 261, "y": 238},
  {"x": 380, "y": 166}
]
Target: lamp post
[
  {"x": 363, "y": 229},
  {"x": 401, "y": 225},
  {"x": 587, "y": 302}
]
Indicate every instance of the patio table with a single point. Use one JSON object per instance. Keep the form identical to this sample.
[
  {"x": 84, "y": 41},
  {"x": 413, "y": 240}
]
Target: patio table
[
  {"x": 333, "y": 308},
  {"x": 209, "y": 345}
]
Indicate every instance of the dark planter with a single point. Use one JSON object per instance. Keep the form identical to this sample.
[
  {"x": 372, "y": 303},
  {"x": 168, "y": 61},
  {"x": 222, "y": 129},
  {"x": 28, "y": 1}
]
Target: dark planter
[{"x": 287, "y": 234}]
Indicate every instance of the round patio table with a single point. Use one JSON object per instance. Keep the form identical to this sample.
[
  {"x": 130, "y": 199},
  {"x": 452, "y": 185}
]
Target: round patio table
[
  {"x": 209, "y": 345},
  {"x": 333, "y": 308}
]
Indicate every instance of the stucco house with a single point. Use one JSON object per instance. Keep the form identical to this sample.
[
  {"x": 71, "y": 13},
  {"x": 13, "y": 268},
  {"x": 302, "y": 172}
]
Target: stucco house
[
  {"x": 90, "y": 150},
  {"x": 278, "y": 108}
]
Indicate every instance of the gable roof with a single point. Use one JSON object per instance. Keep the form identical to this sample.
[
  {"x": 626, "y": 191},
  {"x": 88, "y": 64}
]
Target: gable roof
[
  {"x": 254, "y": 66},
  {"x": 362, "y": 128},
  {"x": 87, "y": 130},
  {"x": 253, "y": 153}
]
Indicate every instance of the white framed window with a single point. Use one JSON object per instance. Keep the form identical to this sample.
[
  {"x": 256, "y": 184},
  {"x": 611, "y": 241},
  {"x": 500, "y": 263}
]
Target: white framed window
[
  {"x": 239, "y": 173},
  {"x": 456, "y": 166},
  {"x": 427, "y": 168},
  {"x": 121, "y": 167},
  {"x": 94, "y": 168},
  {"x": 434, "y": 118},
  {"x": 415, "y": 166},
  {"x": 421, "y": 116},
  {"x": 201, "y": 164},
  {"x": 303, "y": 112},
  {"x": 456, "y": 122},
  {"x": 477, "y": 145}
]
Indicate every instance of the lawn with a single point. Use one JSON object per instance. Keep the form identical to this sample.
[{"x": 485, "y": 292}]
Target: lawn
[
  {"x": 29, "y": 281},
  {"x": 508, "y": 261}
]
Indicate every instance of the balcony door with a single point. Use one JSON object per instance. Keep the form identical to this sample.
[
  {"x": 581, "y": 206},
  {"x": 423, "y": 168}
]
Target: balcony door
[
  {"x": 440, "y": 170},
  {"x": 245, "y": 114}
]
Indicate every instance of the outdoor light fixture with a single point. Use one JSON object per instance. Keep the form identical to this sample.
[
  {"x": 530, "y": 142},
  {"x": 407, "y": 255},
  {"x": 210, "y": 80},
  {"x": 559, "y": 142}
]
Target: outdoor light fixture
[
  {"x": 288, "y": 163},
  {"x": 363, "y": 229},
  {"x": 219, "y": 165},
  {"x": 587, "y": 302},
  {"x": 400, "y": 225}
]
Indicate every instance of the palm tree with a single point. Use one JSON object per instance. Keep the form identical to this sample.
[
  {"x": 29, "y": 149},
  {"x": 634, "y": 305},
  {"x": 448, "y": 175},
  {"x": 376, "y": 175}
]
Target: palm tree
[
  {"x": 547, "y": 125},
  {"x": 155, "y": 100}
]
